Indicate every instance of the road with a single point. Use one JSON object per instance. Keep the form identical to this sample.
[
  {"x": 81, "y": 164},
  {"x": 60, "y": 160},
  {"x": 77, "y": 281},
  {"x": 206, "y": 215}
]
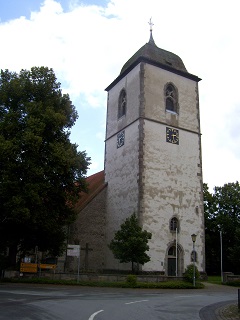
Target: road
[{"x": 48, "y": 302}]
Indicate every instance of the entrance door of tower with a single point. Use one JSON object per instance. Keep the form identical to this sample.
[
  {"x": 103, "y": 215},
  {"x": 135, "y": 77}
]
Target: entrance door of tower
[
  {"x": 171, "y": 260},
  {"x": 171, "y": 266}
]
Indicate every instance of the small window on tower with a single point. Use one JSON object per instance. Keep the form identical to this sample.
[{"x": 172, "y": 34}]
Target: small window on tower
[
  {"x": 174, "y": 225},
  {"x": 171, "y": 98},
  {"x": 122, "y": 104}
]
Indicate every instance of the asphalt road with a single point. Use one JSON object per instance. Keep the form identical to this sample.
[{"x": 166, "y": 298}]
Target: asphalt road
[{"x": 47, "y": 302}]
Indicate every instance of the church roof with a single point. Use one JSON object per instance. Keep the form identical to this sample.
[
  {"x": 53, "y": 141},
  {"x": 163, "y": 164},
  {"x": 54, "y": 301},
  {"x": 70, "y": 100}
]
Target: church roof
[
  {"x": 95, "y": 184},
  {"x": 156, "y": 56}
]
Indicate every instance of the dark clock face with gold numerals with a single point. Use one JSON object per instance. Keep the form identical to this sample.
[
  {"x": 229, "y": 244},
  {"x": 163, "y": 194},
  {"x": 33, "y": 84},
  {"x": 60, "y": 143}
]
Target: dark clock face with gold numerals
[
  {"x": 172, "y": 135},
  {"x": 120, "y": 139}
]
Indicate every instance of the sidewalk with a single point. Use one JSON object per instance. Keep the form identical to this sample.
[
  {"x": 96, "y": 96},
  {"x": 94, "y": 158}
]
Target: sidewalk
[
  {"x": 225, "y": 310},
  {"x": 228, "y": 311}
]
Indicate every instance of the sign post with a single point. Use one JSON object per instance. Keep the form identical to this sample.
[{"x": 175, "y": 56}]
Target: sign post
[
  {"x": 73, "y": 250},
  {"x": 239, "y": 300}
]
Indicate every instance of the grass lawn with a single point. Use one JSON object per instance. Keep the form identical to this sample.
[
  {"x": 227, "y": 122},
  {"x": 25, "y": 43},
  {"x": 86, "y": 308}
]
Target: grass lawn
[
  {"x": 129, "y": 283},
  {"x": 215, "y": 279}
]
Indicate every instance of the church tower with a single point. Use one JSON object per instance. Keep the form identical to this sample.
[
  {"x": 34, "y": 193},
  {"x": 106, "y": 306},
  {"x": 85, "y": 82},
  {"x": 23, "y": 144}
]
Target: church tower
[{"x": 153, "y": 163}]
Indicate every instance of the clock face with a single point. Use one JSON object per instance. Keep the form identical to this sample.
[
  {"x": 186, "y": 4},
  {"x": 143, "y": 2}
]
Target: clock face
[
  {"x": 120, "y": 139},
  {"x": 172, "y": 135}
]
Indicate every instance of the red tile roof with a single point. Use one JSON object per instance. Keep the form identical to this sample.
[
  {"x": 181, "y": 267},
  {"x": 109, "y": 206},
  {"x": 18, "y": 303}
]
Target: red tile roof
[{"x": 95, "y": 183}]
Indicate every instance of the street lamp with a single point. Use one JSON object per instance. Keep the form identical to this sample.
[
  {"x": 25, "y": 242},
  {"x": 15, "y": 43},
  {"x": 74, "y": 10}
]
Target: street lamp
[
  {"x": 221, "y": 252},
  {"x": 194, "y": 236}
]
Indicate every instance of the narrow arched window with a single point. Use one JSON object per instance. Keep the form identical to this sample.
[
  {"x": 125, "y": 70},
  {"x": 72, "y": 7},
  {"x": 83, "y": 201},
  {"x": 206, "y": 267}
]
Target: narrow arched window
[
  {"x": 174, "y": 225},
  {"x": 122, "y": 104},
  {"x": 172, "y": 251},
  {"x": 171, "y": 98}
]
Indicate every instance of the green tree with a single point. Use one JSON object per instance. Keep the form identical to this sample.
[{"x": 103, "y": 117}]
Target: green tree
[
  {"x": 130, "y": 243},
  {"x": 212, "y": 236},
  {"x": 234, "y": 251},
  {"x": 41, "y": 171},
  {"x": 222, "y": 213}
]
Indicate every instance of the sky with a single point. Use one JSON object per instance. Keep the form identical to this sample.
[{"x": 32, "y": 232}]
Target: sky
[{"x": 86, "y": 43}]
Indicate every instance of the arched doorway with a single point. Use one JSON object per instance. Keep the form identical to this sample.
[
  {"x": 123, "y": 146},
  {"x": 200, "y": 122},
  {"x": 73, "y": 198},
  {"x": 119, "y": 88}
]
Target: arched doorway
[{"x": 174, "y": 260}]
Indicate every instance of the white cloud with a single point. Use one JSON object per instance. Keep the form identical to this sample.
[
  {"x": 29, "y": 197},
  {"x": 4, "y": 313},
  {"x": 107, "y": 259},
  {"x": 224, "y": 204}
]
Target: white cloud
[
  {"x": 88, "y": 45},
  {"x": 100, "y": 135},
  {"x": 95, "y": 166}
]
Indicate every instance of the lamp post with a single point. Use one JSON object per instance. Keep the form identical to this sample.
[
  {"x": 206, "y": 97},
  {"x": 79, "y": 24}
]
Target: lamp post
[
  {"x": 221, "y": 251},
  {"x": 194, "y": 236},
  {"x": 221, "y": 256}
]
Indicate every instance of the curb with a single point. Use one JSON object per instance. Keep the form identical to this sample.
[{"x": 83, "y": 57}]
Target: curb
[{"x": 214, "y": 311}]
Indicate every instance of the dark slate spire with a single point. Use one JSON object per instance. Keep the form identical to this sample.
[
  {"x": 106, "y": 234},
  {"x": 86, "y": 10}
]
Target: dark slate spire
[{"x": 150, "y": 53}]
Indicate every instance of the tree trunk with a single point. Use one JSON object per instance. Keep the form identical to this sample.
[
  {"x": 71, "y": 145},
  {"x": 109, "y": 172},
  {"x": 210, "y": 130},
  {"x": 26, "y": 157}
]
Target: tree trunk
[{"x": 12, "y": 256}]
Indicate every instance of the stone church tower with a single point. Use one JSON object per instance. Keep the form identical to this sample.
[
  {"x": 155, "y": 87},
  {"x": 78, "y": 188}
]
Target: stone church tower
[{"x": 153, "y": 164}]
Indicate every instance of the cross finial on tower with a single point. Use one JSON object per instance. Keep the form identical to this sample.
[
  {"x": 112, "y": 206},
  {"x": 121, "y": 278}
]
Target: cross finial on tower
[
  {"x": 151, "y": 24},
  {"x": 151, "y": 37}
]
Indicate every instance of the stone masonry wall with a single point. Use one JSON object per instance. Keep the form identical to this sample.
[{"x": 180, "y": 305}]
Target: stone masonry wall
[{"x": 90, "y": 227}]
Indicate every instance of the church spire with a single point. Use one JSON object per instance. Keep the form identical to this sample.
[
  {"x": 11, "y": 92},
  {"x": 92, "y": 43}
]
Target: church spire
[{"x": 151, "y": 36}]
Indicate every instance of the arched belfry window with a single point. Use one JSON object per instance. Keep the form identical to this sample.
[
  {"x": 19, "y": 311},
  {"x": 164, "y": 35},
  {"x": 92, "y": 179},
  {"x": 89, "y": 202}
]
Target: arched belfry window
[
  {"x": 171, "y": 98},
  {"x": 122, "y": 104},
  {"x": 174, "y": 224}
]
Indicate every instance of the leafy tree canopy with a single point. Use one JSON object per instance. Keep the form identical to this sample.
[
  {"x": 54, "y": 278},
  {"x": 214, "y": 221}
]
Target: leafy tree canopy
[
  {"x": 222, "y": 213},
  {"x": 41, "y": 171},
  {"x": 130, "y": 243}
]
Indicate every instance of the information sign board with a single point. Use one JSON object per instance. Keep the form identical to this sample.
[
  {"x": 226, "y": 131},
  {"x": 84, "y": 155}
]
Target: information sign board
[
  {"x": 48, "y": 266},
  {"x": 73, "y": 250},
  {"x": 29, "y": 267}
]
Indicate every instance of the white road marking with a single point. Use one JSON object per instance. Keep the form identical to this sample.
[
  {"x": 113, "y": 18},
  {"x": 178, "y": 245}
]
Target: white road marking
[
  {"x": 94, "y": 314},
  {"x": 136, "y": 301},
  {"x": 18, "y": 300},
  {"x": 199, "y": 295}
]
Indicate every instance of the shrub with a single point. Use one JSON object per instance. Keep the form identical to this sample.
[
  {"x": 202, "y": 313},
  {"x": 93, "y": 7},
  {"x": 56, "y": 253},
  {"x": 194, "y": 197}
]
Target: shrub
[
  {"x": 235, "y": 283},
  {"x": 127, "y": 284},
  {"x": 188, "y": 275},
  {"x": 131, "y": 280}
]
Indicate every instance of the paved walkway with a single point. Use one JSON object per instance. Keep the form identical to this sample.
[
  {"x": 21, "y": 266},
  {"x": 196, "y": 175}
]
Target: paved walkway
[
  {"x": 219, "y": 311},
  {"x": 225, "y": 310}
]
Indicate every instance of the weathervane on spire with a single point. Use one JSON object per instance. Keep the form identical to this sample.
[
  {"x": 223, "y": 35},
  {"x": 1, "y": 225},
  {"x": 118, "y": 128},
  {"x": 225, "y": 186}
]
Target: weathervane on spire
[{"x": 151, "y": 24}]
